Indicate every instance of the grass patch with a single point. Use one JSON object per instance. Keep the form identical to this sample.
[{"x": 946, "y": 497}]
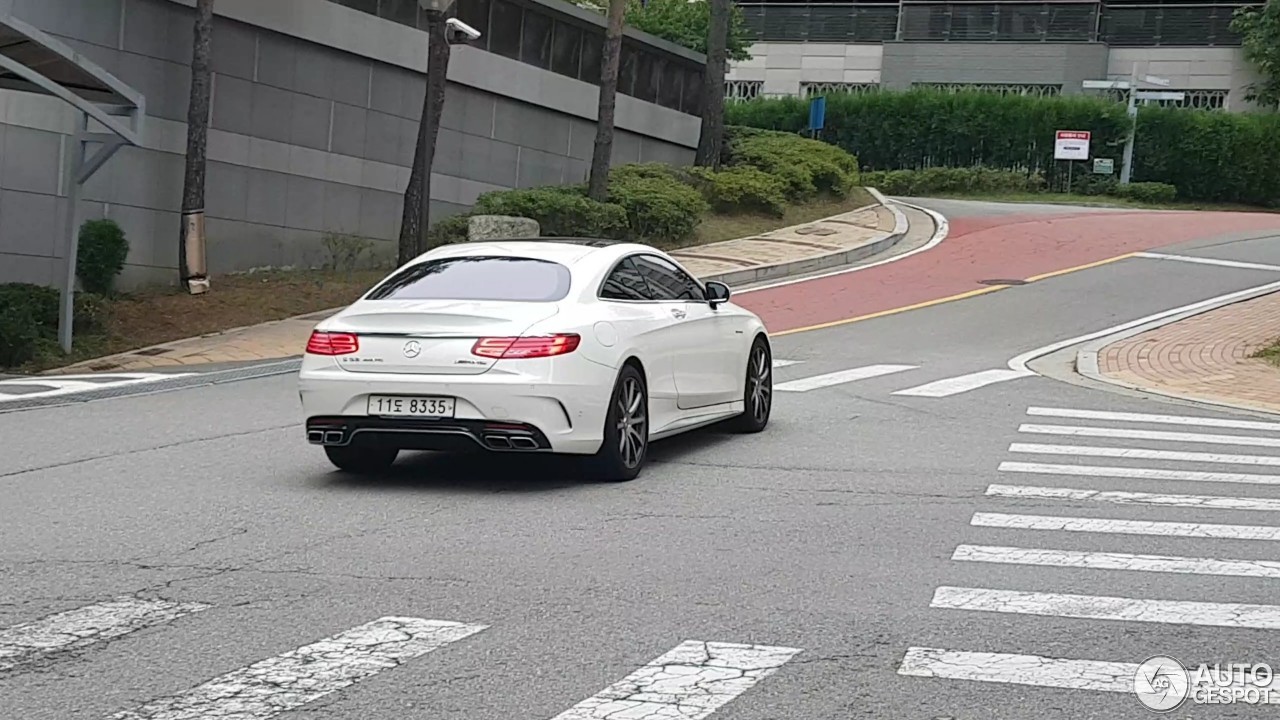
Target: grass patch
[
  {"x": 1102, "y": 201},
  {"x": 716, "y": 228},
  {"x": 1270, "y": 353},
  {"x": 152, "y": 316}
]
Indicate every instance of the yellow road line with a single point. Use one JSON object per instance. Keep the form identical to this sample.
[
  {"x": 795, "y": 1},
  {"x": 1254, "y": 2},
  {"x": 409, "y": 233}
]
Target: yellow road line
[
  {"x": 949, "y": 298},
  {"x": 893, "y": 311},
  {"x": 1086, "y": 266}
]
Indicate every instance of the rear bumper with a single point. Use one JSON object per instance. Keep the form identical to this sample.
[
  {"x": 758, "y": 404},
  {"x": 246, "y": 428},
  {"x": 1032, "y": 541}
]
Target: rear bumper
[
  {"x": 492, "y": 411},
  {"x": 414, "y": 434}
]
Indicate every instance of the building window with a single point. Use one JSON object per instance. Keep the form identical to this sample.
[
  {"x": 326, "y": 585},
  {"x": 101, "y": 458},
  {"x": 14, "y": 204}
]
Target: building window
[
  {"x": 996, "y": 88},
  {"x": 535, "y": 46},
  {"x": 737, "y": 90},
  {"x": 564, "y": 47},
  {"x": 1194, "y": 99},
  {"x": 836, "y": 88}
]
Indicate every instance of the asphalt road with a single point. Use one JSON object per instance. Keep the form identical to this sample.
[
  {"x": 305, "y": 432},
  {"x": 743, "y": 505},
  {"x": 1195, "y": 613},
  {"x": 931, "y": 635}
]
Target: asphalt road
[{"x": 862, "y": 527}]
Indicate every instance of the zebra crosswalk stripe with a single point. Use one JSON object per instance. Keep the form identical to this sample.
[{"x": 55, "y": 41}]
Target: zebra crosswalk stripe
[
  {"x": 286, "y": 682},
  {"x": 1117, "y": 561},
  {"x": 1125, "y": 527},
  {"x": 1100, "y": 471},
  {"x": 1144, "y": 454},
  {"x": 690, "y": 682},
  {"x": 77, "y": 628}
]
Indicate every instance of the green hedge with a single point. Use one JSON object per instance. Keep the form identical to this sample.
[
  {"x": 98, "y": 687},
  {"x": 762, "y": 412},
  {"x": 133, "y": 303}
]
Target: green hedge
[
  {"x": 1206, "y": 155},
  {"x": 952, "y": 181},
  {"x": 29, "y": 317},
  {"x": 660, "y": 204}
]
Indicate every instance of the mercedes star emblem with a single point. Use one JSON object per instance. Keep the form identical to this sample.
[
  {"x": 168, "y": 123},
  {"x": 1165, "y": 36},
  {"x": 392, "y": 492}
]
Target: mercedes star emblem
[{"x": 412, "y": 349}]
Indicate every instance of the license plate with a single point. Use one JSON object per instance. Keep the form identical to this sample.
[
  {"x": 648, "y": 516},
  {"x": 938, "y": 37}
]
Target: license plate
[{"x": 402, "y": 406}]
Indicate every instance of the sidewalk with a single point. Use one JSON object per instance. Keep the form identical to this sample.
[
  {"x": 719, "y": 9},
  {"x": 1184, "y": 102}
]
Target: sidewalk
[
  {"x": 833, "y": 241},
  {"x": 1205, "y": 357}
]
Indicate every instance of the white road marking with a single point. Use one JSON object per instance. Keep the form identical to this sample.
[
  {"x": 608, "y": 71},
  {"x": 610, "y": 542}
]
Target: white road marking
[
  {"x": 86, "y": 625},
  {"x": 690, "y": 682},
  {"x": 961, "y": 383},
  {"x": 1146, "y": 418},
  {"x": 70, "y": 384},
  {"x": 1019, "y": 669},
  {"x": 841, "y": 377},
  {"x": 1144, "y": 454},
  {"x": 1118, "y": 497},
  {"x": 1139, "y": 473},
  {"x": 1019, "y": 362},
  {"x": 1080, "y": 431},
  {"x": 1208, "y": 261},
  {"x": 1125, "y": 527},
  {"x": 1100, "y": 607},
  {"x": 1034, "y": 670},
  {"x": 777, "y": 363},
  {"x": 1116, "y": 561},
  {"x": 286, "y": 682}
]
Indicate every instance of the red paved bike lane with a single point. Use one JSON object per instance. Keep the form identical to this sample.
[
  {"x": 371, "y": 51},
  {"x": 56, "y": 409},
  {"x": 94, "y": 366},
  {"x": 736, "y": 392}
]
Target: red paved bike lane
[{"x": 1007, "y": 247}]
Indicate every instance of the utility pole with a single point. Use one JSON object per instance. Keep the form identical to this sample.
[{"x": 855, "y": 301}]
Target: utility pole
[{"x": 1126, "y": 167}]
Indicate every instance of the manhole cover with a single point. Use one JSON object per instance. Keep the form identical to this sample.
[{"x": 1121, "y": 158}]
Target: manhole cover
[
  {"x": 815, "y": 230},
  {"x": 1002, "y": 282}
]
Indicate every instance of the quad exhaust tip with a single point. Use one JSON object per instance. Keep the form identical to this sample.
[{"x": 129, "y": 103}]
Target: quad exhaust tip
[
  {"x": 497, "y": 441},
  {"x": 527, "y": 443}
]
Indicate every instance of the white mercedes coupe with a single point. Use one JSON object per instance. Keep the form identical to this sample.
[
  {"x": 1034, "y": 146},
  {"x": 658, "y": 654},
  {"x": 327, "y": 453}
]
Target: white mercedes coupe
[{"x": 579, "y": 347}]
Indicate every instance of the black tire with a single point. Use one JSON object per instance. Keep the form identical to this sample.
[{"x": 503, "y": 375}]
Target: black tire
[
  {"x": 757, "y": 391},
  {"x": 622, "y": 454},
  {"x": 360, "y": 459}
]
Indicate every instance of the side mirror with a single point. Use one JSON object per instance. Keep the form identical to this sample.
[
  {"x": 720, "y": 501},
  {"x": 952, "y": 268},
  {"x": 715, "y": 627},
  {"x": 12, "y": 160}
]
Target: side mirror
[{"x": 717, "y": 292}]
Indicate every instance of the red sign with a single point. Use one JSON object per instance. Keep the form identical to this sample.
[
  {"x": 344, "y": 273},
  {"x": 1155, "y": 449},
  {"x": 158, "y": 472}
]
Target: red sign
[{"x": 1073, "y": 135}]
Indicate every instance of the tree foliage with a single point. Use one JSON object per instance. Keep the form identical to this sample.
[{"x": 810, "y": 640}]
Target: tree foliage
[
  {"x": 683, "y": 22},
  {"x": 1260, "y": 28}
]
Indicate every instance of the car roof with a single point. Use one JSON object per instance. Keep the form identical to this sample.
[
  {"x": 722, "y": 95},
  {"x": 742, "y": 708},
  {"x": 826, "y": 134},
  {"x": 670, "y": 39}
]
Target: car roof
[{"x": 566, "y": 250}]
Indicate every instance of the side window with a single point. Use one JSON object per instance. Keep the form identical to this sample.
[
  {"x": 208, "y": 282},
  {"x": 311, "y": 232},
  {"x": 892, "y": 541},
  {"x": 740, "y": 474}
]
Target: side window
[
  {"x": 625, "y": 283},
  {"x": 668, "y": 281}
]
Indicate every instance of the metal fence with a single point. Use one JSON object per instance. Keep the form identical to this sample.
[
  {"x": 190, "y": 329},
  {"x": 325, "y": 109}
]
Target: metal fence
[{"x": 1128, "y": 25}]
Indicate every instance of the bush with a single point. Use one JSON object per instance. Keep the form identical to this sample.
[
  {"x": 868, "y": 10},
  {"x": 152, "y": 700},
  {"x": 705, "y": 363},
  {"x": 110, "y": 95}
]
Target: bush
[
  {"x": 561, "y": 212},
  {"x": 1207, "y": 155},
  {"x": 43, "y": 304},
  {"x": 807, "y": 167},
  {"x": 658, "y": 209},
  {"x": 452, "y": 229},
  {"x": 952, "y": 181},
  {"x": 19, "y": 336},
  {"x": 743, "y": 189},
  {"x": 101, "y": 255},
  {"x": 1148, "y": 192}
]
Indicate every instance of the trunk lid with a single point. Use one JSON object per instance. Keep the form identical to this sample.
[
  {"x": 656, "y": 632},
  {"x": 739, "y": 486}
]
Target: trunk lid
[{"x": 431, "y": 336}]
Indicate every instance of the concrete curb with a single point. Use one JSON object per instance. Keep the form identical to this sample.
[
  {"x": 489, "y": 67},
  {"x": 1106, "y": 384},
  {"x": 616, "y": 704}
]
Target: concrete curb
[
  {"x": 1086, "y": 363},
  {"x": 807, "y": 265}
]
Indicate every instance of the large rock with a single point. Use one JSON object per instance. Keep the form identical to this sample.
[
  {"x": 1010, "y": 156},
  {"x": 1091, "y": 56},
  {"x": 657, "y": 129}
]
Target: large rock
[{"x": 501, "y": 227}]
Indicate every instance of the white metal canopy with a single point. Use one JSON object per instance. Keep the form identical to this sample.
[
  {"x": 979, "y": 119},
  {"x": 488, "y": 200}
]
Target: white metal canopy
[{"x": 33, "y": 61}]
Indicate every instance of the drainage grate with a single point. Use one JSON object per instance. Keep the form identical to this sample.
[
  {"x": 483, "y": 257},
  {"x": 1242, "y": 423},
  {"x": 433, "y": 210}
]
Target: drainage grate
[{"x": 1002, "y": 282}]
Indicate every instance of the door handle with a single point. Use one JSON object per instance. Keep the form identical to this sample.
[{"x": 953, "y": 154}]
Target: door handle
[{"x": 679, "y": 314}]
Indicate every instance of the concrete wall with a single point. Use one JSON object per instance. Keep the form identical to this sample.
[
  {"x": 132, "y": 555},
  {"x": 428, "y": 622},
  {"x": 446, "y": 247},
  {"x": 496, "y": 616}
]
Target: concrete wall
[
  {"x": 313, "y": 129},
  {"x": 784, "y": 68}
]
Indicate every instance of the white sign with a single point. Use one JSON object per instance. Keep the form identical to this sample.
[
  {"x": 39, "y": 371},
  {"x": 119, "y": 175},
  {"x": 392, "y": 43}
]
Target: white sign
[{"x": 1071, "y": 145}]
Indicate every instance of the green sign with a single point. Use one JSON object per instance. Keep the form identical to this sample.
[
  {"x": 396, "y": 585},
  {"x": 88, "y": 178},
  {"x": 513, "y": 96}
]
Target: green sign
[{"x": 1104, "y": 166}]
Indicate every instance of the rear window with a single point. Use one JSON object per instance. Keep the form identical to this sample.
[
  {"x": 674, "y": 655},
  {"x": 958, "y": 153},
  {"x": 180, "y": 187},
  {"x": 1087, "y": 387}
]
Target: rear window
[{"x": 477, "y": 278}]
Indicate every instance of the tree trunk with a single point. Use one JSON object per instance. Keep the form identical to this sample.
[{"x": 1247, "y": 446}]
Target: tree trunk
[
  {"x": 191, "y": 243},
  {"x": 712, "y": 137},
  {"x": 416, "y": 218},
  {"x": 598, "y": 185}
]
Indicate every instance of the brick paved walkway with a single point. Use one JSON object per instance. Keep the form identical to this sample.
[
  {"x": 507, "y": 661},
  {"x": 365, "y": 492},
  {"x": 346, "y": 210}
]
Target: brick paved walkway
[{"x": 1206, "y": 356}]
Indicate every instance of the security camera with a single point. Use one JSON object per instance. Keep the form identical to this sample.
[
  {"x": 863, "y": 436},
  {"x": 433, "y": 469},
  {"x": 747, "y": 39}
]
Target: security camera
[{"x": 458, "y": 32}]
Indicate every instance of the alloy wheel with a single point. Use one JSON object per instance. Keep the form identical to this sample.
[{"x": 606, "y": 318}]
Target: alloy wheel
[
  {"x": 760, "y": 383},
  {"x": 632, "y": 422}
]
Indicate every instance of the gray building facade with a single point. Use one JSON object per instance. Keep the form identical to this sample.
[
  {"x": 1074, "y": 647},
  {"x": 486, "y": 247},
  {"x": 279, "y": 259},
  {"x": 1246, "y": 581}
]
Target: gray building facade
[{"x": 314, "y": 122}]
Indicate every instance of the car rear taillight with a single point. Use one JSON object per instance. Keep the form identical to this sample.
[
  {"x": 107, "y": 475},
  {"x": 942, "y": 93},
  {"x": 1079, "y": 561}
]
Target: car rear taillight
[
  {"x": 327, "y": 343},
  {"x": 506, "y": 348}
]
